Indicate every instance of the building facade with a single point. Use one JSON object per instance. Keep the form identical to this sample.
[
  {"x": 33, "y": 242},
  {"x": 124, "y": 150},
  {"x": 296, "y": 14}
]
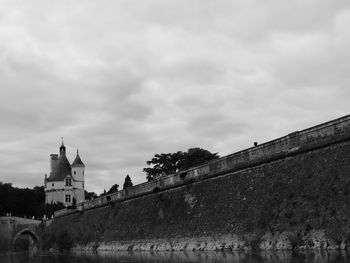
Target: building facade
[{"x": 66, "y": 182}]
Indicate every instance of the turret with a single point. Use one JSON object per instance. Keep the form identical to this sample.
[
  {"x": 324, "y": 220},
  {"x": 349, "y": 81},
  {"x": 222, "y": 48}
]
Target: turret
[{"x": 78, "y": 168}]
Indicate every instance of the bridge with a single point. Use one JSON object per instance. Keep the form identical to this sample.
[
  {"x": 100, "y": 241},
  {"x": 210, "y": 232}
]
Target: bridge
[{"x": 12, "y": 229}]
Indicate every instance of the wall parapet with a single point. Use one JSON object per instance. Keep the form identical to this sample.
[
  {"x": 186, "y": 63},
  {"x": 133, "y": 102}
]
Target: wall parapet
[
  {"x": 63, "y": 211},
  {"x": 18, "y": 220},
  {"x": 305, "y": 140}
]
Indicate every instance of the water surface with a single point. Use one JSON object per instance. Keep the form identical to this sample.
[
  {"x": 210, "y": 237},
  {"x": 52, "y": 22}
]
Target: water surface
[{"x": 181, "y": 257}]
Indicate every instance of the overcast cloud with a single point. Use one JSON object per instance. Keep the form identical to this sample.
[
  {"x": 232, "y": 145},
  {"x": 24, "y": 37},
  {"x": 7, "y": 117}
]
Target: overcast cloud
[{"x": 122, "y": 80}]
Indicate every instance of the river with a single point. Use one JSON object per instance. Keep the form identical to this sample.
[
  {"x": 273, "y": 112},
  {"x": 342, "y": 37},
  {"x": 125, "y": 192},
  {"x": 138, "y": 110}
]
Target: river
[{"x": 178, "y": 257}]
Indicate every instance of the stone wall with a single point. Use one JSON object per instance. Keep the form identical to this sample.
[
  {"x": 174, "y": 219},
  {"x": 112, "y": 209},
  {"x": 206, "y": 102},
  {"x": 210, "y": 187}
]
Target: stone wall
[
  {"x": 299, "y": 200},
  {"x": 295, "y": 143}
]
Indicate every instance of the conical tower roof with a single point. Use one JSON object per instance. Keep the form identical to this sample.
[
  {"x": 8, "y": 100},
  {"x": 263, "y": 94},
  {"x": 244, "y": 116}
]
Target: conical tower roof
[
  {"x": 62, "y": 170},
  {"x": 77, "y": 161},
  {"x": 63, "y": 167}
]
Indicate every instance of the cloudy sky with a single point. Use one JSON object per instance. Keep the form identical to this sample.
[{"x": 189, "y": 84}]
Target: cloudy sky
[{"x": 122, "y": 80}]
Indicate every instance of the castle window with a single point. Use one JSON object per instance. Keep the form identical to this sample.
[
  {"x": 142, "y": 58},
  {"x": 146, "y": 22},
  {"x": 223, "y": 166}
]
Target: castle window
[
  {"x": 68, "y": 198},
  {"x": 68, "y": 181},
  {"x": 75, "y": 172},
  {"x": 53, "y": 184}
]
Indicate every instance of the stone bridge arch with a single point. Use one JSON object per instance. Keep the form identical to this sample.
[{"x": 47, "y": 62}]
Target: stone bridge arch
[
  {"x": 26, "y": 231},
  {"x": 12, "y": 227},
  {"x": 33, "y": 240}
]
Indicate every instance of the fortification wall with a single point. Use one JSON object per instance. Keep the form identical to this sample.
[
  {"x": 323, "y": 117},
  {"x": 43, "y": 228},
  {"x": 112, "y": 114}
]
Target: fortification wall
[
  {"x": 297, "y": 142},
  {"x": 296, "y": 196}
]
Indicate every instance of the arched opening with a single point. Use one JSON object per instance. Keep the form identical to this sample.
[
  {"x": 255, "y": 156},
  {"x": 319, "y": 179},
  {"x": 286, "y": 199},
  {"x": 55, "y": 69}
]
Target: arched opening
[{"x": 26, "y": 240}]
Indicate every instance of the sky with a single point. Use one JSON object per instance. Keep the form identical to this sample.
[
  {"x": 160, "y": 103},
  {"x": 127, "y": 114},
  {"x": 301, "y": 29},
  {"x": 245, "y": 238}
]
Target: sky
[{"x": 123, "y": 80}]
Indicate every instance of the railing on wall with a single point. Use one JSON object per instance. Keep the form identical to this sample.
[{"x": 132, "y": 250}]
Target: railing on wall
[{"x": 318, "y": 135}]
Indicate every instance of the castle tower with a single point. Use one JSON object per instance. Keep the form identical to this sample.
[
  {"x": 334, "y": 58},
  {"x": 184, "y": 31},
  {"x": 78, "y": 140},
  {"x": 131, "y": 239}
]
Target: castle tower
[
  {"x": 78, "y": 169},
  {"x": 65, "y": 183}
]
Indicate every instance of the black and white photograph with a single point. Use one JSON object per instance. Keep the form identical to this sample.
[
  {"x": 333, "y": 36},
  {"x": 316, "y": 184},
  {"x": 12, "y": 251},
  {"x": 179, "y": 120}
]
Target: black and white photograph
[{"x": 176, "y": 131}]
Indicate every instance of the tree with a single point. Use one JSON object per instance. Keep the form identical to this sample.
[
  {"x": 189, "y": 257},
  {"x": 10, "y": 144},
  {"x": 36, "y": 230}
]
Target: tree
[
  {"x": 168, "y": 163},
  {"x": 163, "y": 164},
  {"x": 113, "y": 189},
  {"x": 22, "y": 201},
  {"x": 90, "y": 195},
  {"x": 127, "y": 182},
  {"x": 196, "y": 156}
]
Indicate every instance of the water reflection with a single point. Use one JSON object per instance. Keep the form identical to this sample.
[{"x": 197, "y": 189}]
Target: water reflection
[
  {"x": 218, "y": 257},
  {"x": 183, "y": 257}
]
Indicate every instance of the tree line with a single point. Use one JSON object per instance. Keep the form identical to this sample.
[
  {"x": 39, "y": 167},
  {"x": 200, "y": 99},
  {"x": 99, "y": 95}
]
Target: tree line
[{"x": 22, "y": 201}]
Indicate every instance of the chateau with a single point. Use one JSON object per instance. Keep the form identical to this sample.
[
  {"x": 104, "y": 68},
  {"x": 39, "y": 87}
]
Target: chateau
[{"x": 65, "y": 183}]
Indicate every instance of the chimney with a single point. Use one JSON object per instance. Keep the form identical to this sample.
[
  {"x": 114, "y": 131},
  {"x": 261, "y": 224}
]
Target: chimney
[{"x": 53, "y": 162}]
